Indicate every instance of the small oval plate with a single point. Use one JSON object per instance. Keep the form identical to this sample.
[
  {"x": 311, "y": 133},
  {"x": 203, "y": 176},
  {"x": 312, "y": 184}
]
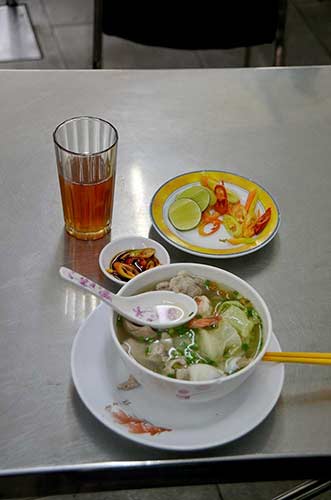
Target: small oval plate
[{"x": 212, "y": 245}]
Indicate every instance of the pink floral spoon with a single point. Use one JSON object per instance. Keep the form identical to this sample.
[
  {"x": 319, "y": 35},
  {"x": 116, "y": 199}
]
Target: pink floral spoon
[{"x": 159, "y": 309}]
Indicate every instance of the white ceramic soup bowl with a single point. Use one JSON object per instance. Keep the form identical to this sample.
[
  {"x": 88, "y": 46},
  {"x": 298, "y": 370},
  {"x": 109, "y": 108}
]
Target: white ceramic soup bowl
[{"x": 182, "y": 389}]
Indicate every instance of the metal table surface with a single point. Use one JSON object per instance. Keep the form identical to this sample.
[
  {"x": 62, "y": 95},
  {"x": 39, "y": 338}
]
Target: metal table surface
[{"x": 272, "y": 125}]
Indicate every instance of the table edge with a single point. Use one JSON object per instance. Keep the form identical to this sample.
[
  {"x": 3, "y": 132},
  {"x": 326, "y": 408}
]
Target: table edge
[{"x": 125, "y": 475}]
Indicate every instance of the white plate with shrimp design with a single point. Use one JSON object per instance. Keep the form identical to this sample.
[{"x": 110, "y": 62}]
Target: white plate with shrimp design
[{"x": 144, "y": 418}]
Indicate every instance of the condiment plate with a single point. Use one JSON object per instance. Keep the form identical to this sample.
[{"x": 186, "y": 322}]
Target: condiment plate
[
  {"x": 214, "y": 245},
  {"x": 144, "y": 418},
  {"x": 130, "y": 242}
]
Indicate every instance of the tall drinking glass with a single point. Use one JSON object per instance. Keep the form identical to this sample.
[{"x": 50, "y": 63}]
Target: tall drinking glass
[{"x": 85, "y": 149}]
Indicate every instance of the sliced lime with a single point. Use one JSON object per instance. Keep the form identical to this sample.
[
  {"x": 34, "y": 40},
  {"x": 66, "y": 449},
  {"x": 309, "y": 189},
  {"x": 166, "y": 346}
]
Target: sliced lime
[
  {"x": 198, "y": 194},
  {"x": 213, "y": 198},
  {"x": 184, "y": 214}
]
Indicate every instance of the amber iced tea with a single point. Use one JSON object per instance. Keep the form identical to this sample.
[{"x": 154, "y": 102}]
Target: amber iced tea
[
  {"x": 87, "y": 207},
  {"x": 87, "y": 179}
]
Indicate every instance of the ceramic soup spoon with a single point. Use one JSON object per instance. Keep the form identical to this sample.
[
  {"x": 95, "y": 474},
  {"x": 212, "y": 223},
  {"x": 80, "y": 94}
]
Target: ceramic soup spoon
[{"x": 158, "y": 309}]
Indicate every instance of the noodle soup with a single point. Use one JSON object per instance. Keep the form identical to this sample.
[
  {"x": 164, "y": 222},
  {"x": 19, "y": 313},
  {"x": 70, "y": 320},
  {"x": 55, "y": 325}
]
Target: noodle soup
[{"x": 224, "y": 337}]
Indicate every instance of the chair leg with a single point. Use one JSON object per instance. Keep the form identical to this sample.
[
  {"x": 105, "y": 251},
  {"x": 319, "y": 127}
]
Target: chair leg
[
  {"x": 97, "y": 35},
  {"x": 247, "y": 56},
  {"x": 304, "y": 491},
  {"x": 279, "y": 50}
]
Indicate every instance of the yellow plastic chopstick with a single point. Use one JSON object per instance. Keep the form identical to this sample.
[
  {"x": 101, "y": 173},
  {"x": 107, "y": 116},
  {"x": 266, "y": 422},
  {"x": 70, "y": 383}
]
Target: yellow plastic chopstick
[{"x": 315, "y": 358}]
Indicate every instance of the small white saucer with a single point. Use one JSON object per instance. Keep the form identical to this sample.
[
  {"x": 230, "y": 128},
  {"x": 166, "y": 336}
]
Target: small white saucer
[
  {"x": 129, "y": 243},
  {"x": 144, "y": 417}
]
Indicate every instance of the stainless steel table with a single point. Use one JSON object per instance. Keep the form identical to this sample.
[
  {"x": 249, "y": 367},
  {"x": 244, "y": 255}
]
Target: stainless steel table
[{"x": 272, "y": 125}]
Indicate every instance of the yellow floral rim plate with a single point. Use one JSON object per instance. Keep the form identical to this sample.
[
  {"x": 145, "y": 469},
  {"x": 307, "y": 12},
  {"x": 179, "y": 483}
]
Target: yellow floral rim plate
[{"x": 212, "y": 246}]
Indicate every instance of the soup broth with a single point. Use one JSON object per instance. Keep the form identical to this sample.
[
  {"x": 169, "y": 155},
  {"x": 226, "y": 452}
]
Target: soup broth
[{"x": 224, "y": 337}]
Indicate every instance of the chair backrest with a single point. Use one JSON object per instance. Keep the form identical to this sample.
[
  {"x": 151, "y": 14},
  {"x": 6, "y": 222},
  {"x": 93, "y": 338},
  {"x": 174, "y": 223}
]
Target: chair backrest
[{"x": 210, "y": 25}]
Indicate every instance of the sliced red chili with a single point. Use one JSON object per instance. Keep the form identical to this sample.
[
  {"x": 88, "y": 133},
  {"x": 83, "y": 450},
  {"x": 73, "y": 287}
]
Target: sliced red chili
[
  {"x": 262, "y": 221},
  {"x": 222, "y": 204},
  {"x": 125, "y": 271},
  {"x": 208, "y": 228},
  {"x": 209, "y": 215},
  {"x": 142, "y": 262}
]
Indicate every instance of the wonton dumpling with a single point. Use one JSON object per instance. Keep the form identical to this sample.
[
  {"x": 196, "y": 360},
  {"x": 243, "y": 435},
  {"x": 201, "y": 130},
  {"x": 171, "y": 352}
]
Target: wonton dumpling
[
  {"x": 138, "y": 351},
  {"x": 239, "y": 320},
  {"x": 203, "y": 372},
  {"x": 231, "y": 338},
  {"x": 212, "y": 343}
]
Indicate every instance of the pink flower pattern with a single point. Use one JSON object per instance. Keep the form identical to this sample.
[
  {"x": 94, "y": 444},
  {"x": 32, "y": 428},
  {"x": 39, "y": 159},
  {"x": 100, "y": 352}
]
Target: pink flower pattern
[
  {"x": 86, "y": 283},
  {"x": 105, "y": 294},
  {"x": 138, "y": 312},
  {"x": 148, "y": 314},
  {"x": 173, "y": 314}
]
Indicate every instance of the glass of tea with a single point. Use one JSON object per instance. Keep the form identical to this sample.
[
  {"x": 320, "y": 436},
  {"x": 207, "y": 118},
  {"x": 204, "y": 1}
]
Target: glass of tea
[{"x": 85, "y": 149}]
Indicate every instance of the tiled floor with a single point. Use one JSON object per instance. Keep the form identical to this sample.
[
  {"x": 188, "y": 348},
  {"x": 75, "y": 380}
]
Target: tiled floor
[
  {"x": 64, "y": 30},
  {"x": 244, "y": 491}
]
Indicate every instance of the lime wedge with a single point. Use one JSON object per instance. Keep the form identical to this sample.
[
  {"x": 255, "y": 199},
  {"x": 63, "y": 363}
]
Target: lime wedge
[
  {"x": 184, "y": 214},
  {"x": 198, "y": 194}
]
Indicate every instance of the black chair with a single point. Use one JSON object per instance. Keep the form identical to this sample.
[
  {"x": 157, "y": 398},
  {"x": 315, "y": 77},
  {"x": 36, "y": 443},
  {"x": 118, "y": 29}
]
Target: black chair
[{"x": 232, "y": 23}]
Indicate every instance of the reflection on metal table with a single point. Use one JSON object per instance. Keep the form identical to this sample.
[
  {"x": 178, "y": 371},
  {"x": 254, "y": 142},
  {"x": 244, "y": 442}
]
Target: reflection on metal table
[{"x": 270, "y": 125}]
